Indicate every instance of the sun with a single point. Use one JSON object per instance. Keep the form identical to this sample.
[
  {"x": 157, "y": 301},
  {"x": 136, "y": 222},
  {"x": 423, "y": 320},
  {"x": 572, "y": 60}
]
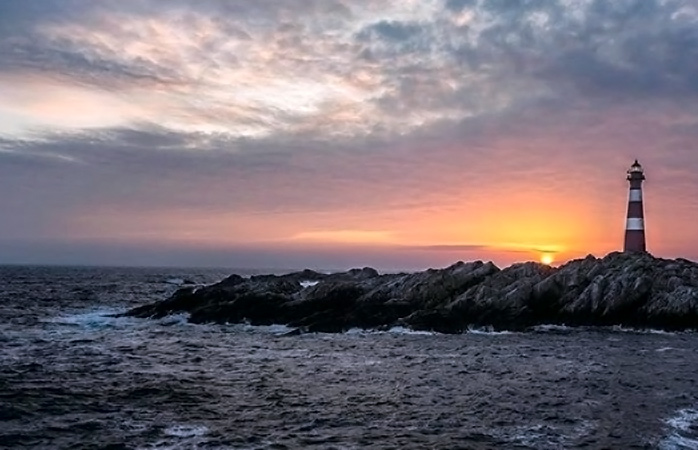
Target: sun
[{"x": 547, "y": 258}]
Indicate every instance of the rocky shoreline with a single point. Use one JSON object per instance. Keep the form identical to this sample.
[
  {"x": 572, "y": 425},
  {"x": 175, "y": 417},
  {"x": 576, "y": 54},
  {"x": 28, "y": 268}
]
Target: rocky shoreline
[{"x": 633, "y": 290}]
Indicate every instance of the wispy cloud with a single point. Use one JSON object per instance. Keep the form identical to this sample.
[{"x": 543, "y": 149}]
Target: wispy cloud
[
  {"x": 355, "y": 69},
  {"x": 345, "y": 236}
]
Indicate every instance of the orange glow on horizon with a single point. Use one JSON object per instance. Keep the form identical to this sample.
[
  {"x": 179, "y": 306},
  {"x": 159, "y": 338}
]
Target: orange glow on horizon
[
  {"x": 500, "y": 226},
  {"x": 515, "y": 220}
]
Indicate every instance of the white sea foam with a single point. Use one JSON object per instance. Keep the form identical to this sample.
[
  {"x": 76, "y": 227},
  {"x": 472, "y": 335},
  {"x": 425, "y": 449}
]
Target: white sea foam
[
  {"x": 640, "y": 330},
  {"x": 684, "y": 431},
  {"x": 488, "y": 331},
  {"x": 186, "y": 431},
  {"x": 393, "y": 330},
  {"x": 180, "y": 437},
  {"x": 96, "y": 319},
  {"x": 409, "y": 331},
  {"x": 685, "y": 420},
  {"x": 615, "y": 328},
  {"x": 664, "y": 349},
  {"x": 106, "y": 319},
  {"x": 403, "y": 330}
]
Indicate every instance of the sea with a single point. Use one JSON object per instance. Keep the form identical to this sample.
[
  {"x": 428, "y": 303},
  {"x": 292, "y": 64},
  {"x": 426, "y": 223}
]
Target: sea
[{"x": 75, "y": 376}]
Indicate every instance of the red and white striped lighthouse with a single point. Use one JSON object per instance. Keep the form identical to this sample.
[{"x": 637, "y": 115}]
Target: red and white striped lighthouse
[{"x": 635, "y": 224}]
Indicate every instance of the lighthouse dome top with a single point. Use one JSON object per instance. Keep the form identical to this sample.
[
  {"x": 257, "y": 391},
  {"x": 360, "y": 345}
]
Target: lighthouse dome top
[
  {"x": 636, "y": 168},
  {"x": 636, "y": 174}
]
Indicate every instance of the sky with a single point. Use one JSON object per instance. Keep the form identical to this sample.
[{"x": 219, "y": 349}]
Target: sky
[{"x": 400, "y": 134}]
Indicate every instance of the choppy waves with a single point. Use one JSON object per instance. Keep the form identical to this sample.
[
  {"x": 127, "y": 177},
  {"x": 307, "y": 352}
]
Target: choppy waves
[
  {"x": 683, "y": 431},
  {"x": 75, "y": 376}
]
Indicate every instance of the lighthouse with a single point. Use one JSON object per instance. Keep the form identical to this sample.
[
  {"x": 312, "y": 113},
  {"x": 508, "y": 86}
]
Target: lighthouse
[{"x": 635, "y": 224}]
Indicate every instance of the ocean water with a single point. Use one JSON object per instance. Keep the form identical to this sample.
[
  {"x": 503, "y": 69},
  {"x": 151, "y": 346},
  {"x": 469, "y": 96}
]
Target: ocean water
[{"x": 72, "y": 376}]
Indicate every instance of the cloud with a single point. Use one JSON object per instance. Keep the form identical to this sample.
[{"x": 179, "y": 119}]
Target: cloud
[
  {"x": 345, "y": 236},
  {"x": 255, "y": 69},
  {"x": 452, "y": 247},
  {"x": 338, "y": 115},
  {"x": 391, "y": 31}
]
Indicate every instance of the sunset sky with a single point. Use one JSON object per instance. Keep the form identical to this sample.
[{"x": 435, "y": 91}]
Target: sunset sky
[{"x": 400, "y": 134}]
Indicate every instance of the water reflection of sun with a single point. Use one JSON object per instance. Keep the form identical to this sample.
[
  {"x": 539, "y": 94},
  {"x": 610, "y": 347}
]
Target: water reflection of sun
[{"x": 547, "y": 258}]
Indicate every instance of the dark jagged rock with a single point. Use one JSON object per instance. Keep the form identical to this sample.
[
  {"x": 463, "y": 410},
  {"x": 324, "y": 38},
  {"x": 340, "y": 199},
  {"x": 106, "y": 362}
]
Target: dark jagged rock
[
  {"x": 501, "y": 301},
  {"x": 636, "y": 290},
  {"x": 629, "y": 289}
]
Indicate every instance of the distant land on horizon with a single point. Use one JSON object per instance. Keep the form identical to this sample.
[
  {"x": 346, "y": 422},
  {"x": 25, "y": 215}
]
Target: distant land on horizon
[{"x": 250, "y": 271}]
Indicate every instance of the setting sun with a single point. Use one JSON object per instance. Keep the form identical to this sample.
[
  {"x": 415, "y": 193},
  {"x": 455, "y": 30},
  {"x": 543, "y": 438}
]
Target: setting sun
[{"x": 547, "y": 258}]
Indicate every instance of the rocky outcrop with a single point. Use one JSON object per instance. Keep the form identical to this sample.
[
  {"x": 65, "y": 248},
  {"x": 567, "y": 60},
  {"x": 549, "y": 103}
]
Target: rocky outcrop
[{"x": 635, "y": 290}]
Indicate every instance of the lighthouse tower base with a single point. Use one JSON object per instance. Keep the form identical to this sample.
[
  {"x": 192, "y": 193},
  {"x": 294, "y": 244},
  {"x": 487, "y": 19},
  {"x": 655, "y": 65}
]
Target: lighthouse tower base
[{"x": 634, "y": 241}]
